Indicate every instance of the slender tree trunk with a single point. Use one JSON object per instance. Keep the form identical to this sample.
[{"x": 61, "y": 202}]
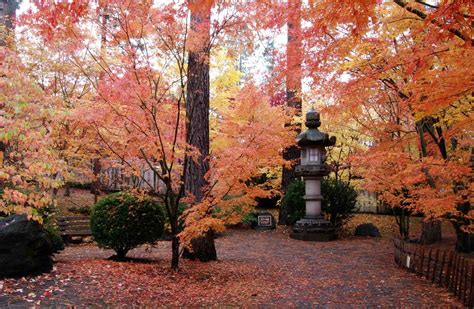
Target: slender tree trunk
[
  {"x": 431, "y": 229},
  {"x": 7, "y": 18},
  {"x": 402, "y": 216},
  {"x": 197, "y": 122},
  {"x": 67, "y": 189},
  {"x": 95, "y": 186},
  {"x": 293, "y": 90},
  {"x": 7, "y": 21},
  {"x": 175, "y": 253},
  {"x": 96, "y": 164}
]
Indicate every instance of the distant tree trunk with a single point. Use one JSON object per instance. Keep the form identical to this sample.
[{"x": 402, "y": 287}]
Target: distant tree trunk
[
  {"x": 197, "y": 124},
  {"x": 293, "y": 90},
  {"x": 7, "y": 26},
  {"x": 67, "y": 189},
  {"x": 95, "y": 186},
  {"x": 96, "y": 164},
  {"x": 7, "y": 18},
  {"x": 430, "y": 232},
  {"x": 464, "y": 239},
  {"x": 402, "y": 216}
]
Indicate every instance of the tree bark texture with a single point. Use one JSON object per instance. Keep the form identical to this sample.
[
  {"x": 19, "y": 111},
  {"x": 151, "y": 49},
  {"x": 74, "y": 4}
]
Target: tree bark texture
[
  {"x": 7, "y": 17},
  {"x": 197, "y": 124},
  {"x": 293, "y": 90},
  {"x": 430, "y": 232},
  {"x": 197, "y": 101}
]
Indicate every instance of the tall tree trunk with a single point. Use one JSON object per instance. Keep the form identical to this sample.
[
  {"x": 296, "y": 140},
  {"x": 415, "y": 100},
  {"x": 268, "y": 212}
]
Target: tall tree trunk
[
  {"x": 96, "y": 164},
  {"x": 7, "y": 21},
  {"x": 197, "y": 122},
  {"x": 7, "y": 27},
  {"x": 430, "y": 232},
  {"x": 461, "y": 223},
  {"x": 294, "y": 56},
  {"x": 431, "y": 229}
]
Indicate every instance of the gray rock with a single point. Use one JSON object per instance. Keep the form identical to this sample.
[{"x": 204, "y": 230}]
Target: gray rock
[
  {"x": 25, "y": 247},
  {"x": 367, "y": 229}
]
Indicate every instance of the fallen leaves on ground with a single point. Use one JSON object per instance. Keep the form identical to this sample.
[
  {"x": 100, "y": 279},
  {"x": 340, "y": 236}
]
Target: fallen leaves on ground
[{"x": 253, "y": 268}]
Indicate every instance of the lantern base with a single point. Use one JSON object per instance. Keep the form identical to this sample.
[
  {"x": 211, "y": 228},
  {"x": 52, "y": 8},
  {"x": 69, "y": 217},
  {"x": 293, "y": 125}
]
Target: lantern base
[{"x": 313, "y": 229}]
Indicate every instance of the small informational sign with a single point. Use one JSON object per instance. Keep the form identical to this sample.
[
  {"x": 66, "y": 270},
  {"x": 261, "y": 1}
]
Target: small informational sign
[
  {"x": 408, "y": 261},
  {"x": 265, "y": 220}
]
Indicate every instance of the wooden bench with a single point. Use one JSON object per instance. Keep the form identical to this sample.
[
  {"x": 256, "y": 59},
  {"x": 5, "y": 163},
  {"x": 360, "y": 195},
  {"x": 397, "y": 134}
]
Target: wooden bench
[{"x": 70, "y": 226}]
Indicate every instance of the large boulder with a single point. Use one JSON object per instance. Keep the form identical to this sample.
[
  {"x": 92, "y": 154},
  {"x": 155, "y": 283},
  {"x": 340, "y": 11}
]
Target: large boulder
[
  {"x": 367, "y": 229},
  {"x": 25, "y": 247}
]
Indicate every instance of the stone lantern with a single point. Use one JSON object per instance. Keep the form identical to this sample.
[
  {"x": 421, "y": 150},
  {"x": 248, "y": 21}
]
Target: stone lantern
[{"x": 312, "y": 168}]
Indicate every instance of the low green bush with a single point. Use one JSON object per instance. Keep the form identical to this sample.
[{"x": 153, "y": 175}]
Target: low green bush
[
  {"x": 57, "y": 242},
  {"x": 339, "y": 201},
  {"x": 293, "y": 201},
  {"x": 122, "y": 221},
  {"x": 250, "y": 218}
]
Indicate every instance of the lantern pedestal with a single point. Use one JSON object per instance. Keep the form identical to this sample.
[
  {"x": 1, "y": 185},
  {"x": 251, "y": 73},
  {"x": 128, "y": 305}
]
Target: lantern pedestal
[
  {"x": 313, "y": 227},
  {"x": 313, "y": 230}
]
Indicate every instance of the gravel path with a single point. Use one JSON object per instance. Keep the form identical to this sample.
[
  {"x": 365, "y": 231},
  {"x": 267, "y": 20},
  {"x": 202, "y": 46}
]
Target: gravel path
[{"x": 255, "y": 269}]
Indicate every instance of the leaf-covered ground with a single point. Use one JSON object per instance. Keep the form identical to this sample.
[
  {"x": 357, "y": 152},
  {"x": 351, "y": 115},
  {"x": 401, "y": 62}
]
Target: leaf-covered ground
[{"x": 254, "y": 268}]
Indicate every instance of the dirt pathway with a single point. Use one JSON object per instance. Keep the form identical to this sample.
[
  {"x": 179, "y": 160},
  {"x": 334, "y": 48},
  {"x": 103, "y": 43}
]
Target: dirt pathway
[{"x": 264, "y": 269}]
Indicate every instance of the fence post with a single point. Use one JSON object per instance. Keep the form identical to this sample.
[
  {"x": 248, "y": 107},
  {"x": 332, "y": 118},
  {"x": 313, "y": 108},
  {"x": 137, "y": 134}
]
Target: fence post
[
  {"x": 471, "y": 289},
  {"x": 449, "y": 270},
  {"x": 465, "y": 285},
  {"x": 440, "y": 281},
  {"x": 422, "y": 257},
  {"x": 435, "y": 266},
  {"x": 429, "y": 262},
  {"x": 460, "y": 268},
  {"x": 456, "y": 274},
  {"x": 397, "y": 250}
]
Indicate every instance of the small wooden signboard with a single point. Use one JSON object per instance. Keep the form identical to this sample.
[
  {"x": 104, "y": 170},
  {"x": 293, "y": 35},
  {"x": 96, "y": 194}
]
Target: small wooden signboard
[{"x": 265, "y": 221}]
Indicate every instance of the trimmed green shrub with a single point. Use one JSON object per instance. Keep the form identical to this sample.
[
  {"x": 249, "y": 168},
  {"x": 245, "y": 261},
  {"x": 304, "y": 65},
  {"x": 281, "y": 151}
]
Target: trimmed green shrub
[
  {"x": 339, "y": 201},
  {"x": 57, "y": 242},
  {"x": 293, "y": 201},
  {"x": 250, "y": 218},
  {"x": 122, "y": 221}
]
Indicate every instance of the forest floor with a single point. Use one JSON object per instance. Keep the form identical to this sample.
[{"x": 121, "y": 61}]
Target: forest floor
[{"x": 255, "y": 268}]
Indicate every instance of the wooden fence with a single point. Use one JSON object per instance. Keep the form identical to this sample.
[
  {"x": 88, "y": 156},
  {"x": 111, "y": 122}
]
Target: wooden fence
[
  {"x": 447, "y": 269},
  {"x": 113, "y": 179}
]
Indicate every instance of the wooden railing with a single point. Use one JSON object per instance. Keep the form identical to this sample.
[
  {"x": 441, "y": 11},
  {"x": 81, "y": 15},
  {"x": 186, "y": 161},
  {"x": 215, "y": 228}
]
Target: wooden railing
[{"x": 447, "y": 269}]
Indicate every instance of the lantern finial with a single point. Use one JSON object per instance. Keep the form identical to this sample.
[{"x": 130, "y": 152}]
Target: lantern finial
[{"x": 312, "y": 119}]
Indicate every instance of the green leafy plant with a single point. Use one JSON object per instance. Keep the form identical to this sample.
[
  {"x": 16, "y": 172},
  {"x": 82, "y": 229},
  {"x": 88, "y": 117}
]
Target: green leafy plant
[
  {"x": 294, "y": 202},
  {"x": 250, "y": 218},
  {"x": 339, "y": 201},
  {"x": 57, "y": 242},
  {"x": 122, "y": 221}
]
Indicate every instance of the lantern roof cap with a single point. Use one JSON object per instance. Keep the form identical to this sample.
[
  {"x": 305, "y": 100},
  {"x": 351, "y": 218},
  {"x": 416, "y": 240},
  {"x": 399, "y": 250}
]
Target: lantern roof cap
[{"x": 312, "y": 136}]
